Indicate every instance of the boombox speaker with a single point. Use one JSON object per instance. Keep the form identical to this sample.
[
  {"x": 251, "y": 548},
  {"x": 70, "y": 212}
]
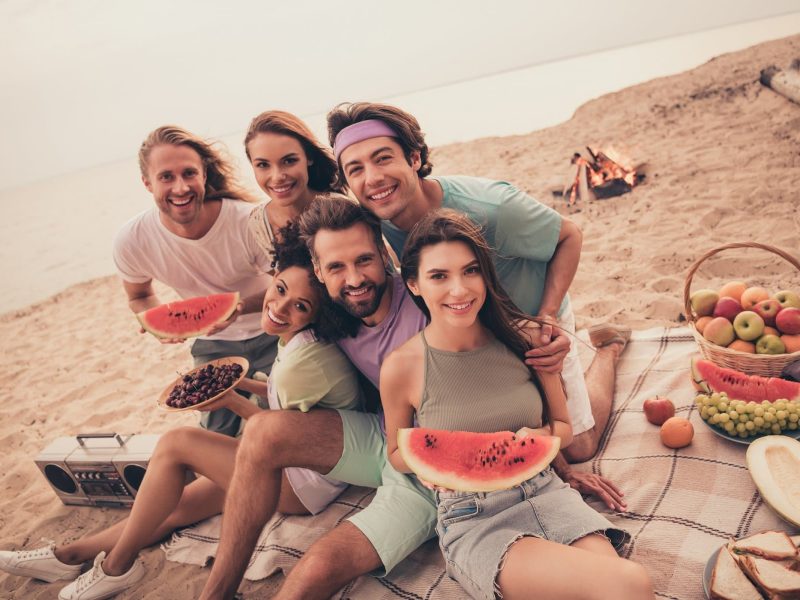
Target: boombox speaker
[{"x": 97, "y": 469}]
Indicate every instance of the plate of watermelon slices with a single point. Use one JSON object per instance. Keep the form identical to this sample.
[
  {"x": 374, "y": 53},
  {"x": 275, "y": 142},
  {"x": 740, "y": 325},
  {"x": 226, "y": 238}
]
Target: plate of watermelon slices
[{"x": 203, "y": 385}]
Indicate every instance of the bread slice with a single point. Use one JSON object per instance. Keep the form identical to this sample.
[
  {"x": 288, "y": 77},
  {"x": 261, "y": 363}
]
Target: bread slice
[
  {"x": 772, "y": 545},
  {"x": 796, "y": 540},
  {"x": 772, "y": 577},
  {"x": 728, "y": 582}
]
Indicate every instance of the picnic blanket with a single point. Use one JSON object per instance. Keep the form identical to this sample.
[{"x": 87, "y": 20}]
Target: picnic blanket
[{"x": 682, "y": 504}]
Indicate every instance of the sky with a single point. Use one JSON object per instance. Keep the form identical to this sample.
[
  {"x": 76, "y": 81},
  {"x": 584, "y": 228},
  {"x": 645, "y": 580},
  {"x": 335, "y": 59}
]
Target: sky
[{"x": 83, "y": 82}]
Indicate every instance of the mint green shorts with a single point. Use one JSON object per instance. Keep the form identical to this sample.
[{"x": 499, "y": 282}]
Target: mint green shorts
[{"x": 402, "y": 515}]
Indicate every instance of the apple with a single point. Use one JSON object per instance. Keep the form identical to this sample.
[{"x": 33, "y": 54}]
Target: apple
[
  {"x": 770, "y": 331},
  {"x": 791, "y": 343},
  {"x": 727, "y": 307},
  {"x": 767, "y": 310},
  {"x": 701, "y": 323},
  {"x": 752, "y": 296},
  {"x": 658, "y": 409},
  {"x": 742, "y": 346},
  {"x": 788, "y": 320},
  {"x": 787, "y": 299},
  {"x": 770, "y": 344},
  {"x": 703, "y": 302},
  {"x": 733, "y": 289},
  {"x": 748, "y": 326},
  {"x": 720, "y": 331}
]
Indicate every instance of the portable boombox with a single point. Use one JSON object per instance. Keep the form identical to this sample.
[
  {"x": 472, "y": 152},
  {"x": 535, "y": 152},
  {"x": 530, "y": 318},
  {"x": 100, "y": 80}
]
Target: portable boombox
[{"x": 97, "y": 469}]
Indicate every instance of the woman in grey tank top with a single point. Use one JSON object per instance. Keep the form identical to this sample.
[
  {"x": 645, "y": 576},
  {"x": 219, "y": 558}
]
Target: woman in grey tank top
[{"x": 466, "y": 372}]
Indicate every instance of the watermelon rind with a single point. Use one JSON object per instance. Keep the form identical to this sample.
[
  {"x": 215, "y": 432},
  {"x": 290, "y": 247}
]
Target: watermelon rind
[
  {"x": 190, "y": 317},
  {"x": 541, "y": 450},
  {"x": 709, "y": 377}
]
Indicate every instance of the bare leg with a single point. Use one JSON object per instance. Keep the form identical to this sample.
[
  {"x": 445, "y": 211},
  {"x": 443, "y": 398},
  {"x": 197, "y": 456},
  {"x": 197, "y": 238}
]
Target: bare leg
[
  {"x": 187, "y": 448},
  {"x": 272, "y": 440},
  {"x": 334, "y": 560},
  {"x": 589, "y": 569},
  {"x": 600, "y": 381}
]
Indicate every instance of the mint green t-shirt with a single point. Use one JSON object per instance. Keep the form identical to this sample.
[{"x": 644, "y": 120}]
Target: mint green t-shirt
[
  {"x": 522, "y": 231},
  {"x": 307, "y": 373}
]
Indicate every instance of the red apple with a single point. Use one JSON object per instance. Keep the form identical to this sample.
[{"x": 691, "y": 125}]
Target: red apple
[
  {"x": 748, "y": 326},
  {"x": 788, "y": 320},
  {"x": 727, "y": 307},
  {"x": 719, "y": 331},
  {"x": 787, "y": 299},
  {"x": 752, "y": 296},
  {"x": 767, "y": 310},
  {"x": 770, "y": 344},
  {"x": 791, "y": 342},
  {"x": 658, "y": 409}
]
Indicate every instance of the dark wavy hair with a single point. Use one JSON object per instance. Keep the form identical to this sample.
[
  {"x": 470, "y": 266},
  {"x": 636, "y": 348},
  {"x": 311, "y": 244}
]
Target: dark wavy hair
[
  {"x": 498, "y": 314},
  {"x": 290, "y": 251},
  {"x": 409, "y": 133},
  {"x": 323, "y": 170}
]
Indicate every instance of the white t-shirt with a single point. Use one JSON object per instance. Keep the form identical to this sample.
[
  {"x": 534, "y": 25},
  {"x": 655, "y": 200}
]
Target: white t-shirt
[{"x": 226, "y": 259}]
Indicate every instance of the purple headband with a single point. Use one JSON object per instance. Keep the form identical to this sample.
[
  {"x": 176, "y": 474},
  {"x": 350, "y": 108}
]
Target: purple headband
[{"x": 358, "y": 132}]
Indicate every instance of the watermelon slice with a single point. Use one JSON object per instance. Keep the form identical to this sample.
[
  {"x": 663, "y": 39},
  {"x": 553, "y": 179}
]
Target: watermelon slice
[
  {"x": 190, "y": 317},
  {"x": 475, "y": 462},
  {"x": 708, "y": 377}
]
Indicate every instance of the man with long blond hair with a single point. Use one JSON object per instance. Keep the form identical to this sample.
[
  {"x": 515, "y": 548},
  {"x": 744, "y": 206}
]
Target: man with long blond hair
[{"x": 196, "y": 241}]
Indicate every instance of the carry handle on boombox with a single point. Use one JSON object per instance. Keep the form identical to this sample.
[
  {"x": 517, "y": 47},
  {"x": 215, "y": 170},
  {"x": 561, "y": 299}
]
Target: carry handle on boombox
[{"x": 88, "y": 436}]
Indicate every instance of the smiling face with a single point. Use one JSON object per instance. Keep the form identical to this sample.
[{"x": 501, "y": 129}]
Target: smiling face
[
  {"x": 380, "y": 176},
  {"x": 352, "y": 267},
  {"x": 281, "y": 167},
  {"x": 451, "y": 283},
  {"x": 177, "y": 179},
  {"x": 290, "y": 304}
]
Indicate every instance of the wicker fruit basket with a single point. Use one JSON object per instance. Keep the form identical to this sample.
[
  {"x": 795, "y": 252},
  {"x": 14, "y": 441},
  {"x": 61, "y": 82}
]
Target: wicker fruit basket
[{"x": 766, "y": 365}]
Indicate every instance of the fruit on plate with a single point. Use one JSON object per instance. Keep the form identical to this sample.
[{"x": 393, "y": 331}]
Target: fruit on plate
[
  {"x": 676, "y": 432},
  {"x": 475, "y": 462},
  {"x": 728, "y": 308},
  {"x": 658, "y": 409},
  {"x": 733, "y": 289},
  {"x": 748, "y": 326},
  {"x": 743, "y": 419},
  {"x": 788, "y": 320},
  {"x": 190, "y": 317},
  {"x": 774, "y": 462},
  {"x": 770, "y": 344},
  {"x": 742, "y": 346},
  {"x": 768, "y": 309},
  {"x": 787, "y": 299},
  {"x": 719, "y": 331},
  {"x": 752, "y": 296},
  {"x": 710, "y": 378},
  {"x": 703, "y": 302}
]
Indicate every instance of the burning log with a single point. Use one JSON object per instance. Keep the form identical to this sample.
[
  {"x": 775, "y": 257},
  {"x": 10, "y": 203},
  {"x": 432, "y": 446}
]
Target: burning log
[
  {"x": 786, "y": 83},
  {"x": 605, "y": 174}
]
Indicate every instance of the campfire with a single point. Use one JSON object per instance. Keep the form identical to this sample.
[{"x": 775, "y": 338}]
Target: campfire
[{"x": 604, "y": 174}]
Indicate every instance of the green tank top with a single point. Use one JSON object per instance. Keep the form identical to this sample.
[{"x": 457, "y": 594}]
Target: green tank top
[{"x": 483, "y": 390}]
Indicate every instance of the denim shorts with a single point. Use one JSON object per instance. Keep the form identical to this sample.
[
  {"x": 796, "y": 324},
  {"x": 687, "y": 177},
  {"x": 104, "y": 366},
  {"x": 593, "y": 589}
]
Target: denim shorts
[{"x": 476, "y": 529}]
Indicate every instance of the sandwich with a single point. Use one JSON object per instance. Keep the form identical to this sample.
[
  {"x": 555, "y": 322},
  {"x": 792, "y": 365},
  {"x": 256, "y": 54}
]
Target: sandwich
[
  {"x": 772, "y": 545},
  {"x": 772, "y": 577},
  {"x": 728, "y": 582}
]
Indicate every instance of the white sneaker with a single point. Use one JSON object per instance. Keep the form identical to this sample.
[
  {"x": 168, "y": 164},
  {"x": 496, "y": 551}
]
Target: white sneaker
[
  {"x": 96, "y": 585},
  {"x": 39, "y": 564}
]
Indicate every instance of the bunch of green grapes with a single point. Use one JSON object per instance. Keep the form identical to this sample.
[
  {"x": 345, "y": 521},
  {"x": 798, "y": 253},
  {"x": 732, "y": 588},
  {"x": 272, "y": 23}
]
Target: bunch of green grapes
[{"x": 748, "y": 419}]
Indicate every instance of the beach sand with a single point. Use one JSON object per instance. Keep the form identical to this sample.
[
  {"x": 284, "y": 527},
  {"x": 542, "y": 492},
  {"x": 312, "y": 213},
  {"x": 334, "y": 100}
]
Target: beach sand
[{"x": 724, "y": 166}]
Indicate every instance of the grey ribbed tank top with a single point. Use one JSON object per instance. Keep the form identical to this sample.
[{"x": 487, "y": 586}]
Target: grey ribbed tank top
[{"x": 483, "y": 390}]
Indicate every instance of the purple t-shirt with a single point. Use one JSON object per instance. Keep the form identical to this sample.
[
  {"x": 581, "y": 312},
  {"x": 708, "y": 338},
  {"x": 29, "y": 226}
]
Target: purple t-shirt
[{"x": 372, "y": 344}]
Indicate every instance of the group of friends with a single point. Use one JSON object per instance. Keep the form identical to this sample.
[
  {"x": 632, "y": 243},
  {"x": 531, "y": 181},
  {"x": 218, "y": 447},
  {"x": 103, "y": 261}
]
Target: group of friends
[{"x": 462, "y": 322}]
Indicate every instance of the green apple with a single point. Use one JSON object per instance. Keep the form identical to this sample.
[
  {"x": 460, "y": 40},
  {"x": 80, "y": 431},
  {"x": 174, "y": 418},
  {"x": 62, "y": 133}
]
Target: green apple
[
  {"x": 748, "y": 326},
  {"x": 703, "y": 302},
  {"x": 770, "y": 344},
  {"x": 787, "y": 299}
]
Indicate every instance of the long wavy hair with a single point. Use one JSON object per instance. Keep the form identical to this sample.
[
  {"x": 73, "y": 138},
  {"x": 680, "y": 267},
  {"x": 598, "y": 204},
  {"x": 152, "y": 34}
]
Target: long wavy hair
[
  {"x": 323, "y": 173},
  {"x": 498, "y": 314},
  {"x": 220, "y": 173}
]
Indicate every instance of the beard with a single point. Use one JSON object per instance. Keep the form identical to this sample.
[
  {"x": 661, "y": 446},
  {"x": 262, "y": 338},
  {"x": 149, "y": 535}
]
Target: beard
[{"x": 361, "y": 308}]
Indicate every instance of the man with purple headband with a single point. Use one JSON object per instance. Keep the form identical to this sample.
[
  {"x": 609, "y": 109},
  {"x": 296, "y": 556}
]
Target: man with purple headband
[{"x": 383, "y": 156}]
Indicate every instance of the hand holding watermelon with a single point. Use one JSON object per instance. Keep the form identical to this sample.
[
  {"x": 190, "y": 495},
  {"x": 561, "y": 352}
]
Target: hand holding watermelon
[{"x": 173, "y": 322}]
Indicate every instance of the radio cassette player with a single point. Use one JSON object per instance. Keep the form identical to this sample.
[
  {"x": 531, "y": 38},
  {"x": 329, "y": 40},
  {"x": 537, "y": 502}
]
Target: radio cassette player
[{"x": 97, "y": 469}]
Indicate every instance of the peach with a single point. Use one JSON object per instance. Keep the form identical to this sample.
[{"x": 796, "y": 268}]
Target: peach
[
  {"x": 743, "y": 346},
  {"x": 791, "y": 342},
  {"x": 733, "y": 289},
  {"x": 701, "y": 323},
  {"x": 719, "y": 331},
  {"x": 752, "y": 296}
]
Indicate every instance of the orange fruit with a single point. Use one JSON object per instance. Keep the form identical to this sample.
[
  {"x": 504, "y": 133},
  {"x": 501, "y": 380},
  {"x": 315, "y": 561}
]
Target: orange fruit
[{"x": 676, "y": 432}]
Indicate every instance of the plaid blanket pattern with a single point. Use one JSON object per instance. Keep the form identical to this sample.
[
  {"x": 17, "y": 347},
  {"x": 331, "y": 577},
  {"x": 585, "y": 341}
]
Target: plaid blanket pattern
[{"x": 682, "y": 504}]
